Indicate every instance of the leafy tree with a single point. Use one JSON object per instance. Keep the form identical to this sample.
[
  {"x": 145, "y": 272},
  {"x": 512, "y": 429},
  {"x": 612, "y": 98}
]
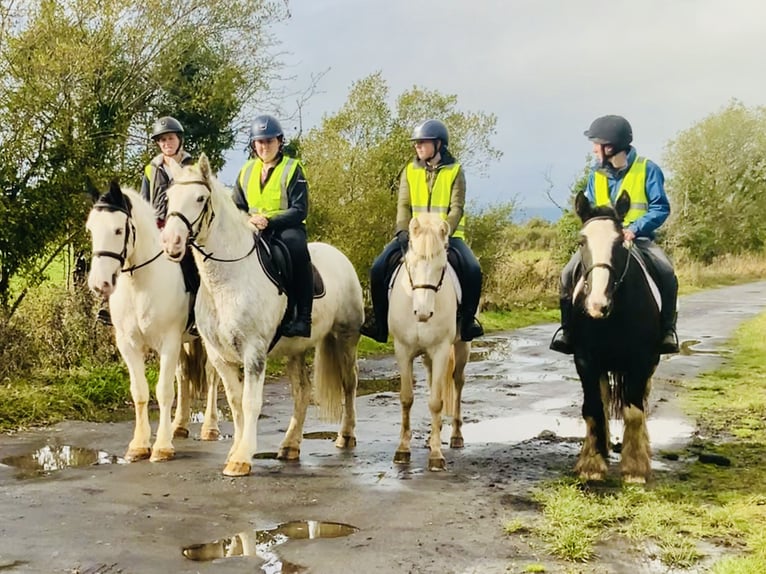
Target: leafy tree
[
  {"x": 81, "y": 82},
  {"x": 718, "y": 183},
  {"x": 355, "y": 157}
]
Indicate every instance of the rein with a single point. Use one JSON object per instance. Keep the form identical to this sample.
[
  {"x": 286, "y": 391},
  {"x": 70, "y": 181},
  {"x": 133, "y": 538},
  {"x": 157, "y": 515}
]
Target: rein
[{"x": 191, "y": 240}]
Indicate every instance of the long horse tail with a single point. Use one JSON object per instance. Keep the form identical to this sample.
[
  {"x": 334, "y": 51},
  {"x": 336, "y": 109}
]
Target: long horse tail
[
  {"x": 449, "y": 392},
  {"x": 191, "y": 367},
  {"x": 334, "y": 370}
]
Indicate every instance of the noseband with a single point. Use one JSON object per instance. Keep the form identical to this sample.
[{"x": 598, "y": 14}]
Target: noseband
[
  {"x": 430, "y": 286},
  {"x": 130, "y": 231},
  {"x": 615, "y": 283}
]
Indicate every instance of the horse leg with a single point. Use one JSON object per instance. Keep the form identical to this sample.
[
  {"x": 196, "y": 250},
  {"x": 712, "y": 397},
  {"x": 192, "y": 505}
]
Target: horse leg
[
  {"x": 232, "y": 386},
  {"x": 300, "y": 386},
  {"x": 636, "y": 456},
  {"x": 403, "y": 358},
  {"x": 461, "y": 352},
  {"x": 182, "y": 417},
  {"x": 163, "y": 444},
  {"x": 592, "y": 462},
  {"x": 210, "y": 429},
  {"x": 138, "y": 449},
  {"x": 252, "y": 402},
  {"x": 438, "y": 368}
]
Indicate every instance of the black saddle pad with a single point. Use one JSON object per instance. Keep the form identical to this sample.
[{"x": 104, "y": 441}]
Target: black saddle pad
[{"x": 275, "y": 261}]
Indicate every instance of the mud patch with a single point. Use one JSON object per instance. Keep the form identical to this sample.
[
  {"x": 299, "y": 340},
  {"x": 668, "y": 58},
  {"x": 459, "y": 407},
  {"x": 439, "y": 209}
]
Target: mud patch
[
  {"x": 261, "y": 543},
  {"x": 373, "y": 386},
  {"x": 320, "y": 435},
  {"x": 52, "y": 458}
]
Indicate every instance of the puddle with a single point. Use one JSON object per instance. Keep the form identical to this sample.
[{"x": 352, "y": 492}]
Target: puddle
[
  {"x": 662, "y": 431},
  {"x": 373, "y": 386},
  {"x": 686, "y": 348},
  {"x": 51, "y": 458},
  {"x": 261, "y": 543},
  {"x": 322, "y": 435}
]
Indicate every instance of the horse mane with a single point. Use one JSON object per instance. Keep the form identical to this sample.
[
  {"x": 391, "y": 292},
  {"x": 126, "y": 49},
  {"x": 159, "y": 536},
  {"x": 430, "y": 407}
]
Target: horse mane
[{"x": 427, "y": 242}]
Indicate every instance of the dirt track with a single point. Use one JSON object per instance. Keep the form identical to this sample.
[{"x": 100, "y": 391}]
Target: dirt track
[{"x": 137, "y": 518}]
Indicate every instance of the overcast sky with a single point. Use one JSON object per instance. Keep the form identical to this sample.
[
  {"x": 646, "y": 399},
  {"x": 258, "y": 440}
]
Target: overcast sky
[{"x": 546, "y": 68}]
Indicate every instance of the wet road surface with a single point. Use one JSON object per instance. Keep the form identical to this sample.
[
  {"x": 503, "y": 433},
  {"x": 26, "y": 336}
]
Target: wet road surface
[{"x": 69, "y": 504}]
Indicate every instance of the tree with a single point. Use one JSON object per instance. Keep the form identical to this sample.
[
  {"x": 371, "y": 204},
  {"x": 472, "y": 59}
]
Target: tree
[
  {"x": 81, "y": 82},
  {"x": 354, "y": 158},
  {"x": 718, "y": 183}
]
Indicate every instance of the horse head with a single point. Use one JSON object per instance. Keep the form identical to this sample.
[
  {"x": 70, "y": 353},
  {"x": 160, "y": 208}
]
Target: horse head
[
  {"x": 604, "y": 256},
  {"x": 189, "y": 206},
  {"x": 426, "y": 261},
  {"x": 113, "y": 237}
]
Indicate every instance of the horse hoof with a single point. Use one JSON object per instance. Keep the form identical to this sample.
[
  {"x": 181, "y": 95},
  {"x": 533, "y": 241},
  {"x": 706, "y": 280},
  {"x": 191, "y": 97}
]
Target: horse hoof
[
  {"x": 456, "y": 442},
  {"x": 236, "y": 469},
  {"x": 402, "y": 457},
  {"x": 136, "y": 454},
  {"x": 345, "y": 441},
  {"x": 633, "y": 479},
  {"x": 180, "y": 432},
  {"x": 163, "y": 455},
  {"x": 437, "y": 464},
  {"x": 592, "y": 476},
  {"x": 289, "y": 453},
  {"x": 210, "y": 434}
]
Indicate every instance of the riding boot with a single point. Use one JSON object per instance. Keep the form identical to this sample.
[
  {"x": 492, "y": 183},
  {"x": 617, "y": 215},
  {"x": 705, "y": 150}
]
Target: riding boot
[
  {"x": 301, "y": 325},
  {"x": 562, "y": 338},
  {"x": 104, "y": 316},
  {"x": 669, "y": 341},
  {"x": 470, "y": 328},
  {"x": 376, "y": 324}
]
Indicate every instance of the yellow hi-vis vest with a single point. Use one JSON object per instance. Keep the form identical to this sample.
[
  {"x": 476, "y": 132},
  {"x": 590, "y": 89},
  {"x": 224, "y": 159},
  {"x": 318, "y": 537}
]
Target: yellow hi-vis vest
[
  {"x": 634, "y": 183},
  {"x": 272, "y": 198},
  {"x": 436, "y": 199}
]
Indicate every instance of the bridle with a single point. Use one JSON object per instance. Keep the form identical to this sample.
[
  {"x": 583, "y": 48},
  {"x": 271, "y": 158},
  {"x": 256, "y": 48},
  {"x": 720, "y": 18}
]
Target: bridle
[
  {"x": 191, "y": 239},
  {"x": 130, "y": 236},
  {"x": 430, "y": 286},
  {"x": 615, "y": 283}
]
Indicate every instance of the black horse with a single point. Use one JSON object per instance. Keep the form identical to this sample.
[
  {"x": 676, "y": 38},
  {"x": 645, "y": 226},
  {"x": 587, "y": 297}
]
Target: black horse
[{"x": 616, "y": 332}]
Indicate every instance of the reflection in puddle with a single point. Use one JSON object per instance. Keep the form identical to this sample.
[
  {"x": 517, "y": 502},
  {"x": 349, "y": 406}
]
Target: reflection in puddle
[
  {"x": 261, "y": 543},
  {"x": 322, "y": 435},
  {"x": 56, "y": 457},
  {"x": 662, "y": 431}
]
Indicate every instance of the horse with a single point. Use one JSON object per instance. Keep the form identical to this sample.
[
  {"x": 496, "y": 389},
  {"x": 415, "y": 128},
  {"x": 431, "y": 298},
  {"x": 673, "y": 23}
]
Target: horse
[
  {"x": 239, "y": 310},
  {"x": 422, "y": 317},
  {"x": 616, "y": 335},
  {"x": 149, "y": 308}
]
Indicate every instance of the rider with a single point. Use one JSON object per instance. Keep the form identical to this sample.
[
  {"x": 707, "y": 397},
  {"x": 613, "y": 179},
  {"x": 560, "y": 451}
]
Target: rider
[
  {"x": 273, "y": 189},
  {"x": 168, "y": 134},
  {"x": 622, "y": 169},
  {"x": 433, "y": 181}
]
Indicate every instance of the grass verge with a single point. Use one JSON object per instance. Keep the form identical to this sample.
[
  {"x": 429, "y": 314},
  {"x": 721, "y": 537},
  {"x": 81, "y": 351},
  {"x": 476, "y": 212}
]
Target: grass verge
[{"x": 697, "y": 512}]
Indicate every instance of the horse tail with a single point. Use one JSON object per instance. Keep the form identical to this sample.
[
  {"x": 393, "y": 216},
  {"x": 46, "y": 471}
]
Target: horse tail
[
  {"x": 449, "y": 392},
  {"x": 191, "y": 367},
  {"x": 334, "y": 370}
]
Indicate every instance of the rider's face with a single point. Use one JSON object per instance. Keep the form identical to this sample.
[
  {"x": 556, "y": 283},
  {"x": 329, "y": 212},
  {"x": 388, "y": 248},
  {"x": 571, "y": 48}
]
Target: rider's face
[
  {"x": 267, "y": 149},
  {"x": 425, "y": 149},
  {"x": 169, "y": 144}
]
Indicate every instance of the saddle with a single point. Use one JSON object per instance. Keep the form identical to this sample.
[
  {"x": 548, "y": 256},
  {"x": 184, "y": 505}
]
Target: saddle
[{"x": 276, "y": 263}]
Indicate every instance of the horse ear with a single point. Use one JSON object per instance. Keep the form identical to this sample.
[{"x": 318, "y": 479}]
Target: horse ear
[
  {"x": 444, "y": 229},
  {"x": 174, "y": 167},
  {"x": 582, "y": 205},
  {"x": 91, "y": 189},
  {"x": 114, "y": 195},
  {"x": 414, "y": 226},
  {"x": 623, "y": 205},
  {"x": 204, "y": 166}
]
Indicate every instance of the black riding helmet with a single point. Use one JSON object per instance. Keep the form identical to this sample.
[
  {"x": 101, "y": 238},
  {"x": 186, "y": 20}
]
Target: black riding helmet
[
  {"x": 167, "y": 125},
  {"x": 431, "y": 130},
  {"x": 611, "y": 130},
  {"x": 265, "y": 127}
]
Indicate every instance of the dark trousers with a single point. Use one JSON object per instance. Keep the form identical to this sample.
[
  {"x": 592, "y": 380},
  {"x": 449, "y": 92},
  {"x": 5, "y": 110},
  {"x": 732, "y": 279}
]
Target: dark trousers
[
  {"x": 660, "y": 268},
  {"x": 295, "y": 240},
  {"x": 462, "y": 259}
]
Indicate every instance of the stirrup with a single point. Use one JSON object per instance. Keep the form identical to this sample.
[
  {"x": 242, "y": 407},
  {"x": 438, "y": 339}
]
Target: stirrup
[
  {"x": 105, "y": 317},
  {"x": 297, "y": 328},
  {"x": 561, "y": 342},
  {"x": 471, "y": 331}
]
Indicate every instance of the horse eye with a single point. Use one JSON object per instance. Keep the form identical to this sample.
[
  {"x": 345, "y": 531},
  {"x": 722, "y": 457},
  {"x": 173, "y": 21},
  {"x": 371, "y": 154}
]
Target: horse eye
[
  {"x": 119, "y": 231},
  {"x": 200, "y": 198}
]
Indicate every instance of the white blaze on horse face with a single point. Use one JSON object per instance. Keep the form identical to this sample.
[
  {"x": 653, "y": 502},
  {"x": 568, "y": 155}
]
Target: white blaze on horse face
[
  {"x": 423, "y": 272},
  {"x": 601, "y": 236},
  {"x": 107, "y": 230},
  {"x": 189, "y": 200}
]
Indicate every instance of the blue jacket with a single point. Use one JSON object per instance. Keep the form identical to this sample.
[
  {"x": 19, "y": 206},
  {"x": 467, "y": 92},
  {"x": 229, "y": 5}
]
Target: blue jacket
[{"x": 659, "y": 206}]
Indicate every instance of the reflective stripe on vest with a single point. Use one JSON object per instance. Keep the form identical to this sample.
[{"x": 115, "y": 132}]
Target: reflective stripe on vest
[
  {"x": 272, "y": 198},
  {"x": 437, "y": 199},
  {"x": 634, "y": 183}
]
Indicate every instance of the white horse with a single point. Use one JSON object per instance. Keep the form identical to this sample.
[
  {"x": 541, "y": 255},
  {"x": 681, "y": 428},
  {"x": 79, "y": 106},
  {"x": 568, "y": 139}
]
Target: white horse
[
  {"x": 239, "y": 311},
  {"x": 149, "y": 307},
  {"x": 422, "y": 319}
]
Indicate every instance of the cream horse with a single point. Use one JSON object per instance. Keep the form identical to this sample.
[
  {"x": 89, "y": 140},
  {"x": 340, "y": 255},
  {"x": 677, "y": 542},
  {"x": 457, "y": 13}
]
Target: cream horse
[
  {"x": 149, "y": 307},
  {"x": 239, "y": 311},
  {"x": 422, "y": 319}
]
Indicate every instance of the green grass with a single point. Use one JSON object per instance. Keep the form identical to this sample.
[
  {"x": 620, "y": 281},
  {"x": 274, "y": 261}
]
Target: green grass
[{"x": 671, "y": 518}]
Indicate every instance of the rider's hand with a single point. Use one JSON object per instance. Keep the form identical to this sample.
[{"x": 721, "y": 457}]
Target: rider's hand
[
  {"x": 259, "y": 221},
  {"x": 628, "y": 234}
]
